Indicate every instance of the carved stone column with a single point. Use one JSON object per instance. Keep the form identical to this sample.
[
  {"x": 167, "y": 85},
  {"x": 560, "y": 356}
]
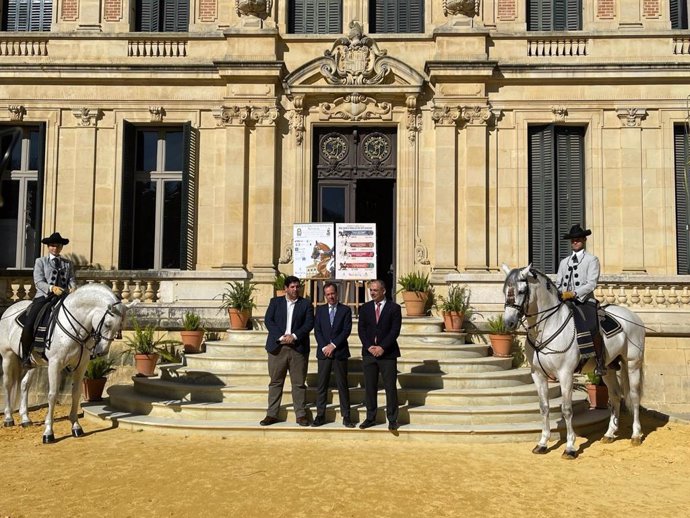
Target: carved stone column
[{"x": 230, "y": 208}]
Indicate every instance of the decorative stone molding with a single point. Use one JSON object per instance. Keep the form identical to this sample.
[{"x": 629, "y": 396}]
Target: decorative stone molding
[
  {"x": 421, "y": 253},
  {"x": 17, "y": 112},
  {"x": 476, "y": 115},
  {"x": 355, "y": 60},
  {"x": 157, "y": 113},
  {"x": 446, "y": 115},
  {"x": 355, "y": 107},
  {"x": 297, "y": 119},
  {"x": 559, "y": 113},
  {"x": 413, "y": 120},
  {"x": 264, "y": 115},
  {"x": 631, "y": 117},
  {"x": 286, "y": 258},
  {"x": 231, "y": 115},
  {"x": 88, "y": 117},
  {"x": 257, "y": 8},
  {"x": 496, "y": 116},
  {"x": 467, "y": 8}
]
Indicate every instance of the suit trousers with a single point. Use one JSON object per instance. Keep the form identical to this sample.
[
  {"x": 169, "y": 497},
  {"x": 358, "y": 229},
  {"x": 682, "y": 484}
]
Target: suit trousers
[
  {"x": 388, "y": 368},
  {"x": 280, "y": 362},
  {"x": 340, "y": 368}
]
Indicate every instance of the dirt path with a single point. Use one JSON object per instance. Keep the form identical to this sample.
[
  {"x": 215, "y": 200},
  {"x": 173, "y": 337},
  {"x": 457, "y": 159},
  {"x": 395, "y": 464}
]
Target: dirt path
[{"x": 112, "y": 472}]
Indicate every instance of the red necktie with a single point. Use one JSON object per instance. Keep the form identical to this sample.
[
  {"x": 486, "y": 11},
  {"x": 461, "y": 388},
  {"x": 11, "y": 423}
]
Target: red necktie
[{"x": 378, "y": 311}]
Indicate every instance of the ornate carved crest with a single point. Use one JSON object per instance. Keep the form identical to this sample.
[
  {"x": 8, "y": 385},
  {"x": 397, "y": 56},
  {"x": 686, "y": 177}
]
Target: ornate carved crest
[
  {"x": 413, "y": 120},
  {"x": 421, "y": 252},
  {"x": 476, "y": 114},
  {"x": 468, "y": 8},
  {"x": 446, "y": 115},
  {"x": 355, "y": 60},
  {"x": 559, "y": 113},
  {"x": 258, "y": 8},
  {"x": 157, "y": 113},
  {"x": 264, "y": 115},
  {"x": 297, "y": 119},
  {"x": 632, "y": 117},
  {"x": 231, "y": 115},
  {"x": 17, "y": 112},
  {"x": 87, "y": 116},
  {"x": 355, "y": 107}
]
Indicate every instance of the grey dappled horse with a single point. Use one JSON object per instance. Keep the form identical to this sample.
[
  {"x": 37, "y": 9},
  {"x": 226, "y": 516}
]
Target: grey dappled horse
[
  {"x": 553, "y": 352},
  {"x": 87, "y": 323}
]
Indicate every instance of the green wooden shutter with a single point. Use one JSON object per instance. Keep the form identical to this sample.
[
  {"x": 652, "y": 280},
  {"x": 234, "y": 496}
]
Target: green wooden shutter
[
  {"x": 541, "y": 193},
  {"x": 148, "y": 16},
  {"x": 679, "y": 14},
  {"x": 403, "y": 16},
  {"x": 567, "y": 15},
  {"x": 315, "y": 17},
  {"x": 188, "y": 226},
  {"x": 680, "y": 144},
  {"x": 570, "y": 183},
  {"x": 540, "y": 15},
  {"x": 127, "y": 195},
  {"x": 176, "y": 15}
]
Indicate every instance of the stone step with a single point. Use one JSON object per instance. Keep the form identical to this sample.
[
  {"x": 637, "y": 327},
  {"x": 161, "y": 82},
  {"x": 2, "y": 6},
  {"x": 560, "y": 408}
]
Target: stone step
[
  {"x": 585, "y": 423},
  {"x": 205, "y": 362}
]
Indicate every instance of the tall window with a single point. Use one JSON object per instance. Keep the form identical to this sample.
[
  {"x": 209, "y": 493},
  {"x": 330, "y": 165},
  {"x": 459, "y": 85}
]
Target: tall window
[
  {"x": 556, "y": 191},
  {"x": 162, "y": 16},
  {"x": 22, "y": 192},
  {"x": 315, "y": 17},
  {"x": 679, "y": 14},
  {"x": 157, "y": 221},
  {"x": 554, "y": 15},
  {"x": 681, "y": 146},
  {"x": 27, "y": 15},
  {"x": 396, "y": 16}
]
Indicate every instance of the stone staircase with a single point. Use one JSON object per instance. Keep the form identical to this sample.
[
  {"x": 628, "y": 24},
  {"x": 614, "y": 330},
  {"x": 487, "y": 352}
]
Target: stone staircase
[{"x": 448, "y": 390}]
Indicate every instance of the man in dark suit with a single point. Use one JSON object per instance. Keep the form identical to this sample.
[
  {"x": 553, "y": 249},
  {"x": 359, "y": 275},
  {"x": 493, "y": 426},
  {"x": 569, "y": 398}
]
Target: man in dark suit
[
  {"x": 289, "y": 321},
  {"x": 379, "y": 327},
  {"x": 332, "y": 327}
]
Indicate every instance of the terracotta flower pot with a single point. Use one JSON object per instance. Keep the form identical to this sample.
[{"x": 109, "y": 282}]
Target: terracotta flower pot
[
  {"x": 502, "y": 345},
  {"x": 598, "y": 396},
  {"x": 452, "y": 320},
  {"x": 415, "y": 303},
  {"x": 93, "y": 389},
  {"x": 192, "y": 340},
  {"x": 280, "y": 293},
  {"x": 145, "y": 364},
  {"x": 239, "y": 319}
]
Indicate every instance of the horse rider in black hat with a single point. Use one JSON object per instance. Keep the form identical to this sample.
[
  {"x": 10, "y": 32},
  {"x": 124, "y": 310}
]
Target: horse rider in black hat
[
  {"x": 53, "y": 277},
  {"x": 578, "y": 275}
]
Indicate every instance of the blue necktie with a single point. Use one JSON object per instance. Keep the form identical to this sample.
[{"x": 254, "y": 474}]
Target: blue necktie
[{"x": 331, "y": 314}]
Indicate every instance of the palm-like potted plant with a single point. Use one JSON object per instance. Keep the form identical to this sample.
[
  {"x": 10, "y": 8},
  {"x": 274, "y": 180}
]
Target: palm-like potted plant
[
  {"x": 500, "y": 336},
  {"x": 455, "y": 307},
  {"x": 238, "y": 299},
  {"x": 279, "y": 284},
  {"x": 597, "y": 391},
  {"x": 416, "y": 289},
  {"x": 95, "y": 377},
  {"x": 192, "y": 334},
  {"x": 146, "y": 346}
]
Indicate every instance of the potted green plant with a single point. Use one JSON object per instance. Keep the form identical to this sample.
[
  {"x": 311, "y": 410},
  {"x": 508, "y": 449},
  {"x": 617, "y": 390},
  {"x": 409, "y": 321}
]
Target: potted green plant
[
  {"x": 238, "y": 299},
  {"x": 279, "y": 284},
  {"x": 500, "y": 336},
  {"x": 95, "y": 377},
  {"x": 455, "y": 307},
  {"x": 415, "y": 288},
  {"x": 192, "y": 334},
  {"x": 597, "y": 391},
  {"x": 145, "y": 346}
]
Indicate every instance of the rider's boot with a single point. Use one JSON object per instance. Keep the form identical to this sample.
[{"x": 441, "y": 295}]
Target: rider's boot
[
  {"x": 25, "y": 346},
  {"x": 600, "y": 369}
]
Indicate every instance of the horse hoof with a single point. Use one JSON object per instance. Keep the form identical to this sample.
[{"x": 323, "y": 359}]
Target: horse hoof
[
  {"x": 569, "y": 455},
  {"x": 48, "y": 439},
  {"x": 606, "y": 439},
  {"x": 77, "y": 432},
  {"x": 27, "y": 424},
  {"x": 636, "y": 441},
  {"x": 8, "y": 422},
  {"x": 540, "y": 450}
]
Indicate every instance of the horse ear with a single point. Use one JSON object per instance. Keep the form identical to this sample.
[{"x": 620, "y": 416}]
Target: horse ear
[
  {"x": 505, "y": 268},
  {"x": 525, "y": 272}
]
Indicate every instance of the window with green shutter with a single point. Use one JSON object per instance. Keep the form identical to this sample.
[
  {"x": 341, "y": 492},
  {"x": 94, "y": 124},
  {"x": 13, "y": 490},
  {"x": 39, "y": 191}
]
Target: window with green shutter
[
  {"x": 681, "y": 148},
  {"x": 162, "y": 16},
  {"x": 401, "y": 16},
  {"x": 27, "y": 15},
  {"x": 556, "y": 191},
  {"x": 315, "y": 17},
  {"x": 554, "y": 15},
  {"x": 679, "y": 14}
]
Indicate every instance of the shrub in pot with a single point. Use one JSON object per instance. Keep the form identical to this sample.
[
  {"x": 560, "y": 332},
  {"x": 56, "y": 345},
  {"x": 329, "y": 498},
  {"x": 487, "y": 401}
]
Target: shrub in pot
[
  {"x": 95, "y": 377},
  {"x": 500, "y": 336},
  {"x": 416, "y": 293},
  {"x": 455, "y": 307},
  {"x": 146, "y": 347},
  {"x": 238, "y": 299},
  {"x": 597, "y": 391},
  {"x": 279, "y": 284},
  {"x": 192, "y": 334}
]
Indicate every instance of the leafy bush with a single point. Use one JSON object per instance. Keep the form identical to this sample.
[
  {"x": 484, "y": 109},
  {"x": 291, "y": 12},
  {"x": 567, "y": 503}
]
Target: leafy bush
[
  {"x": 191, "y": 321},
  {"x": 458, "y": 299},
  {"x": 497, "y": 326},
  {"x": 414, "y": 281},
  {"x": 279, "y": 282},
  {"x": 238, "y": 295},
  {"x": 144, "y": 340},
  {"x": 99, "y": 367}
]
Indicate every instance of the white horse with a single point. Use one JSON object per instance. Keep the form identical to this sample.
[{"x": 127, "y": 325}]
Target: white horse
[
  {"x": 87, "y": 323},
  {"x": 553, "y": 351}
]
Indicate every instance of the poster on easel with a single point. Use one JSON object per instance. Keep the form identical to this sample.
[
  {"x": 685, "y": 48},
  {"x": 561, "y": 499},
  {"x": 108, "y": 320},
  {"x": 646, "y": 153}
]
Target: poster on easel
[
  {"x": 355, "y": 245},
  {"x": 313, "y": 250}
]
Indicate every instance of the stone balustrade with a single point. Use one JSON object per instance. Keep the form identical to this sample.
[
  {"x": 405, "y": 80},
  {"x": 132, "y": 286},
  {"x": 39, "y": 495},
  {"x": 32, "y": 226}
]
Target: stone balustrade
[
  {"x": 550, "y": 47},
  {"x": 24, "y": 46},
  {"x": 157, "y": 48},
  {"x": 681, "y": 45}
]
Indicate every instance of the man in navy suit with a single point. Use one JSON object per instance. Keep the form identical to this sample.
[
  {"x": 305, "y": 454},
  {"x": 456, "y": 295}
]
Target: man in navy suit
[
  {"x": 380, "y": 321},
  {"x": 289, "y": 321},
  {"x": 332, "y": 327}
]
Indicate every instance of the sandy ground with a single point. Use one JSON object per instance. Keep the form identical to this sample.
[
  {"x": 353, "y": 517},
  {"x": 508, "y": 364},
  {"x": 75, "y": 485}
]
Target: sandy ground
[{"x": 112, "y": 472}]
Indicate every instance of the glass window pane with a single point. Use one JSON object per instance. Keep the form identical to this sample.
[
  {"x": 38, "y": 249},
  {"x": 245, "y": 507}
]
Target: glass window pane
[
  {"x": 33, "y": 150},
  {"x": 333, "y": 203},
  {"x": 172, "y": 219},
  {"x": 147, "y": 151},
  {"x": 8, "y": 223},
  {"x": 31, "y": 225},
  {"x": 174, "y": 151},
  {"x": 144, "y": 225}
]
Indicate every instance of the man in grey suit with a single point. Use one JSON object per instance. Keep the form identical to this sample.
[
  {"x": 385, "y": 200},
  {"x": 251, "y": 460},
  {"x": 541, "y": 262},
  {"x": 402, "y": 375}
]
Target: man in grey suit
[
  {"x": 289, "y": 321},
  {"x": 578, "y": 274},
  {"x": 53, "y": 277}
]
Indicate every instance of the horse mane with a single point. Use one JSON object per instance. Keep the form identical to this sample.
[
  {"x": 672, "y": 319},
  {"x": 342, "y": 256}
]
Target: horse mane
[{"x": 97, "y": 287}]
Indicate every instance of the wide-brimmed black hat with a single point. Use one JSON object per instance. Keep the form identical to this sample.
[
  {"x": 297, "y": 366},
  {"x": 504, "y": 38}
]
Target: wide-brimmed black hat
[
  {"x": 54, "y": 239},
  {"x": 577, "y": 231}
]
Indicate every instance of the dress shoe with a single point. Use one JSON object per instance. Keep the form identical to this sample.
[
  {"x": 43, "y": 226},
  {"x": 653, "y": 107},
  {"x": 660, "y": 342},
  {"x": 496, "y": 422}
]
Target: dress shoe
[
  {"x": 347, "y": 423},
  {"x": 393, "y": 425},
  {"x": 319, "y": 421},
  {"x": 367, "y": 423},
  {"x": 303, "y": 421},
  {"x": 268, "y": 421}
]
